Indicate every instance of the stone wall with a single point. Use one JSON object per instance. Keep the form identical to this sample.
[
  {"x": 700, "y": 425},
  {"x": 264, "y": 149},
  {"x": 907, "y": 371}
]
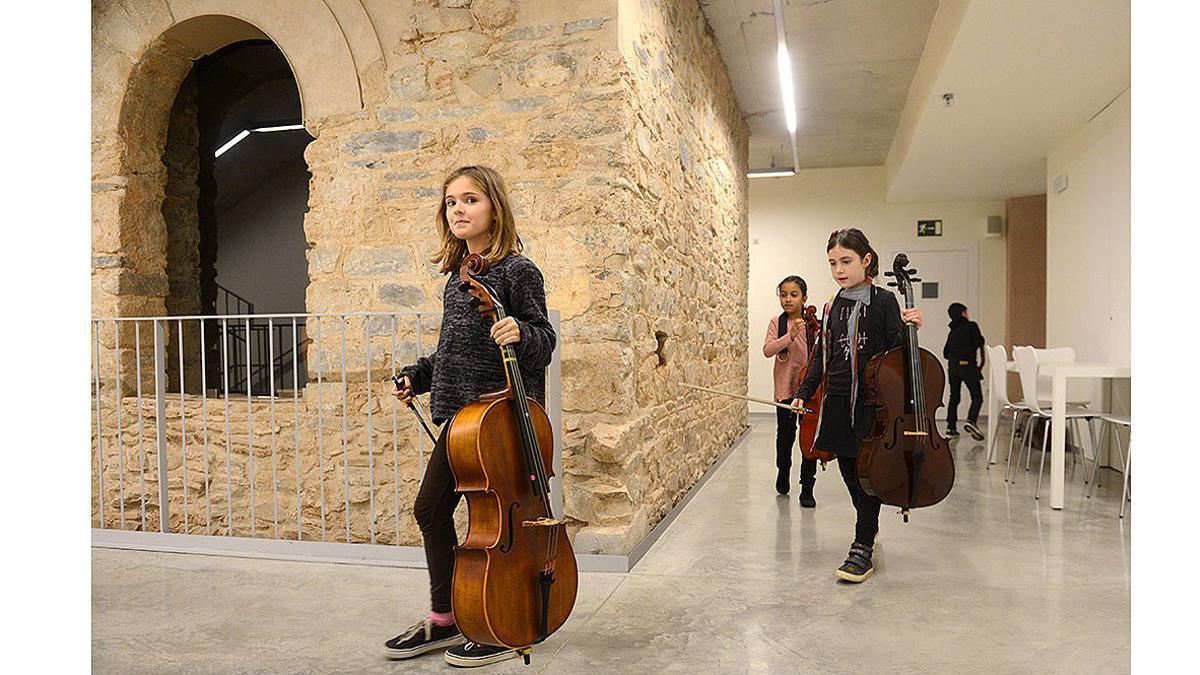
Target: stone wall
[
  {"x": 616, "y": 129},
  {"x": 683, "y": 275}
]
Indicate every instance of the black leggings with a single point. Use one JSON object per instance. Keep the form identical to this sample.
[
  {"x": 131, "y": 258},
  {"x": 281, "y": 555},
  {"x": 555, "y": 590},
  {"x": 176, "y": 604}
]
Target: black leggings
[
  {"x": 867, "y": 524},
  {"x": 837, "y": 435},
  {"x": 785, "y": 439},
  {"x": 434, "y": 511}
]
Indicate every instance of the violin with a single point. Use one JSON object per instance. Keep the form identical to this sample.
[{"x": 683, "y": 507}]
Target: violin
[
  {"x": 903, "y": 461},
  {"x": 515, "y": 576},
  {"x": 811, "y": 415}
]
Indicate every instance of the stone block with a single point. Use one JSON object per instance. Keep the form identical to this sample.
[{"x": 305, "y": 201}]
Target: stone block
[
  {"x": 494, "y": 14},
  {"x": 399, "y": 295},
  {"x": 579, "y": 25},
  {"x": 457, "y": 47},
  {"x": 374, "y": 262},
  {"x": 385, "y": 142}
]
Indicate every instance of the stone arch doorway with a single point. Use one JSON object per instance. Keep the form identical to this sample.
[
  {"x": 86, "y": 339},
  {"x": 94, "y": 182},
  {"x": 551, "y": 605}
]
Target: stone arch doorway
[{"x": 139, "y": 183}]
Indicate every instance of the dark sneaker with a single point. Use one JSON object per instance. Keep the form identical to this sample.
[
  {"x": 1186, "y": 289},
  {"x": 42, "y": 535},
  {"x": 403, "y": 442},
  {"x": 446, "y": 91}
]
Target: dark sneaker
[
  {"x": 973, "y": 430},
  {"x": 952, "y": 433},
  {"x": 420, "y": 638},
  {"x": 781, "y": 480},
  {"x": 473, "y": 654},
  {"x": 858, "y": 565},
  {"x": 806, "y": 496}
]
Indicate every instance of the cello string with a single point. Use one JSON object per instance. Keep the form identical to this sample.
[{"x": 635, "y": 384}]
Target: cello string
[{"x": 533, "y": 453}]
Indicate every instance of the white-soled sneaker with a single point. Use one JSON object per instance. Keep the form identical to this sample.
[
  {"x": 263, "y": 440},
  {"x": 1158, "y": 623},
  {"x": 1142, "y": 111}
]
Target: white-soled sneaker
[
  {"x": 473, "y": 654},
  {"x": 973, "y": 430},
  {"x": 422, "y": 637}
]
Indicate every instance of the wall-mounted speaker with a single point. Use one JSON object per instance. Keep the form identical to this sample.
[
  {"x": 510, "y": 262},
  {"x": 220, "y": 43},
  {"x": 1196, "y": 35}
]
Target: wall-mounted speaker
[{"x": 995, "y": 227}]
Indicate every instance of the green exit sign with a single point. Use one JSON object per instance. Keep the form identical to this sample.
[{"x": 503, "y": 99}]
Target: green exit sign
[{"x": 929, "y": 228}]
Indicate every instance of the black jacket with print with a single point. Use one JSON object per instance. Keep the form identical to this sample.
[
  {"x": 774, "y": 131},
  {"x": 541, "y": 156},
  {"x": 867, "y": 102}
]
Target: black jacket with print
[{"x": 882, "y": 328}]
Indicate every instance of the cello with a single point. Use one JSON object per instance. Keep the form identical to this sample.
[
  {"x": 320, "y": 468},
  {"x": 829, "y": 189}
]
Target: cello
[
  {"x": 811, "y": 415},
  {"x": 903, "y": 461},
  {"x": 515, "y": 575}
]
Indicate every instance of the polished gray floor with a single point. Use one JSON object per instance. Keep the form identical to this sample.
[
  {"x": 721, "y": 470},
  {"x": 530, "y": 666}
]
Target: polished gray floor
[{"x": 989, "y": 581}]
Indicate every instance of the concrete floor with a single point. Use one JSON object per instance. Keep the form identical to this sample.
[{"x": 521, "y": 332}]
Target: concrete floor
[{"x": 989, "y": 581}]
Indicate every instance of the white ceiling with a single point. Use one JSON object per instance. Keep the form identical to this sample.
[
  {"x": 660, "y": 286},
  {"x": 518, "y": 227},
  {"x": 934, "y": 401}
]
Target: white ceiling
[
  {"x": 853, "y": 62},
  {"x": 869, "y": 74},
  {"x": 1026, "y": 75}
]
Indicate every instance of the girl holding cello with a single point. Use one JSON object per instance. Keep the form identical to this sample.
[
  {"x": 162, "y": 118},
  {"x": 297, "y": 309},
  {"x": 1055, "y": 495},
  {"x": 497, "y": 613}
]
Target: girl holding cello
[
  {"x": 861, "y": 321},
  {"x": 475, "y": 216},
  {"x": 787, "y": 342}
]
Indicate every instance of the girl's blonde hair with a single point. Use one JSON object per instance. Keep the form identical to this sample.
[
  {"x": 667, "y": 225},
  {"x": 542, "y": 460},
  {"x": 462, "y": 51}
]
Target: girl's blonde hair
[{"x": 503, "y": 231}]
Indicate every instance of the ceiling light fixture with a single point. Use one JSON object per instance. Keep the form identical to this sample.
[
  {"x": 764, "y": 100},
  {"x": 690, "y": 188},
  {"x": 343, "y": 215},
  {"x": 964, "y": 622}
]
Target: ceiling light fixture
[
  {"x": 241, "y": 135},
  {"x": 770, "y": 173},
  {"x": 787, "y": 86}
]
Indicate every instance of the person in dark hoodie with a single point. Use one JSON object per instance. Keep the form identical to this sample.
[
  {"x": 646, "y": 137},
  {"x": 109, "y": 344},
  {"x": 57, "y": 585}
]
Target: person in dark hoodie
[{"x": 961, "y": 344}]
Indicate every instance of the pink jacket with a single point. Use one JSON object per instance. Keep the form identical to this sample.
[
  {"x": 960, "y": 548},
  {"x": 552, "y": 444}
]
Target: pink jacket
[{"x": 789, "y": 365}]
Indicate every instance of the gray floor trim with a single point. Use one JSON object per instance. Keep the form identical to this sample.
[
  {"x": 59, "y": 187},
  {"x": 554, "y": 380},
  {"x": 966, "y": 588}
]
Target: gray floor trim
[
  {"x": 366, "y": 554},
  {"x": 644, "y": 545}
]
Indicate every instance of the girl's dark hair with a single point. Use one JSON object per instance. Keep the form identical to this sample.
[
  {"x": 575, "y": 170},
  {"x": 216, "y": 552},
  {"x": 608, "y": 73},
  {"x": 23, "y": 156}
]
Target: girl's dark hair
[
  {"x": 853, "y": 239},
  {"x": 795, "y": 280}
]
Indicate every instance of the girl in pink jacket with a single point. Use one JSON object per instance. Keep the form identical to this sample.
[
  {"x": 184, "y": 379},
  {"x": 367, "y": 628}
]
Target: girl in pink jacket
[{"x": 787, "y": 342}]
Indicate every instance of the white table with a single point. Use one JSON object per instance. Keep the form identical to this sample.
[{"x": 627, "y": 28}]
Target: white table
[
  {"x": 1058, "y": 427},
  {"x": 993, "y": 404}
]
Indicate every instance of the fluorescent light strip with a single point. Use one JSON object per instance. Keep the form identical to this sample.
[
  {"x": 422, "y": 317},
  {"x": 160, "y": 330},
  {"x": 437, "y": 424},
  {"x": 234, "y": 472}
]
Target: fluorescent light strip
[
  {"x": 232, "y": 142},
  {"x": 771, "y": 173},
  {"x": 787, "y": 87},
  {"x": 241, "y": 136},
  {"x": 289, "y": 127}
]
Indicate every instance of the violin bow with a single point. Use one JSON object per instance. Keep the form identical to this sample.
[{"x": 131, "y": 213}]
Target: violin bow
[
  {"x": 744, "y": 398},
  {"x": 417, "y": 412}
]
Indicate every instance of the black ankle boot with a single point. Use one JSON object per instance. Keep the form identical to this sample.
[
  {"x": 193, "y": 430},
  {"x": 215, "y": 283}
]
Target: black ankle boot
[
  {"x": 781, "y": 480},
  {"x": 806, "y": 493}
]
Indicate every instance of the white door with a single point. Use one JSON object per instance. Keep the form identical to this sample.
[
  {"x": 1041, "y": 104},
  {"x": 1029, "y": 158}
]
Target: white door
[{"x": 947, "y": 274}]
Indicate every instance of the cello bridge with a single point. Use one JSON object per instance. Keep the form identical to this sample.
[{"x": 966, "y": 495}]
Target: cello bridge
[{"x": 916, "y": 433}]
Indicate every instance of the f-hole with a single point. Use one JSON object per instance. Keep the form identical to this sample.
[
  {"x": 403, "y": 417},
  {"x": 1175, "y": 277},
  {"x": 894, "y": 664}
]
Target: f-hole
[{"x": 512, "y": 509}]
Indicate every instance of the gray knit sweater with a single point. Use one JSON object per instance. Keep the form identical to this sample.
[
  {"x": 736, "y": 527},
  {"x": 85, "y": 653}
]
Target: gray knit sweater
[{"x": 467, "y": 361}]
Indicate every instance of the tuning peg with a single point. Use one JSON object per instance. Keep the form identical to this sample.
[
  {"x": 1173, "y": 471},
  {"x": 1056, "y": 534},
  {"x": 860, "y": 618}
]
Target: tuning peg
[
  {"x": 892, "y": 284},
  {"x": 915, "y": 279},
  {"x": 475, "y": 303},
  {"x": 911, "y": 270},
  {"x": 464, "y": 286},
  {"x": 889, "y": 273}
]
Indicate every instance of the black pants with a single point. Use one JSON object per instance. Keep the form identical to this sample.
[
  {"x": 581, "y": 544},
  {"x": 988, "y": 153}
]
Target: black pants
[
  {"x": 434, "y": 510},
  {"x": 786, "y": 422},
  {"x": 837, "y": 435},
  {"x": 866, "y": 526},
  {"x": 970, "y": 376}
]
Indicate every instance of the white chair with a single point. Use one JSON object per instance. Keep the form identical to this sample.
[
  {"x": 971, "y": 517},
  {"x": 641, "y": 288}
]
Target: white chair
[
  {"x": 1028, "y": 361},
  {"x": 998, "y": 371},
  {"x": 1109, "y": 421},
  {"x": 1045, "y": 383}
]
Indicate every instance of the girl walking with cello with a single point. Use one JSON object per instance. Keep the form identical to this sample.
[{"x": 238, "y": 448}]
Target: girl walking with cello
[
  {"x": 474, "y": 217},
  {"x": 861, "y": 321},
  {"x": 789, "y": 341}
]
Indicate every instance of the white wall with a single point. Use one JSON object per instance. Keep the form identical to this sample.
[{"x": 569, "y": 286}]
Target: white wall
[
  {"x": 790, "y": 221},
  {"x": 1087, "y": 245},
  {"x": 261, "y": 244}
]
